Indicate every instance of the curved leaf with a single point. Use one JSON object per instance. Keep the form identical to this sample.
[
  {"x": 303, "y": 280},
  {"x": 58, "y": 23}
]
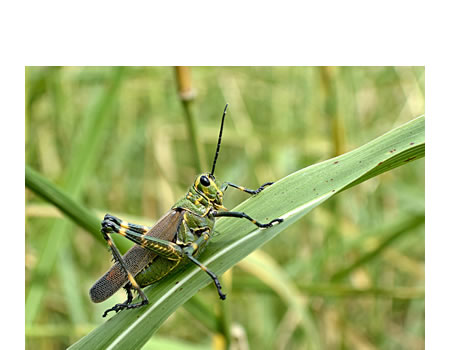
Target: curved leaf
[{"x": 290, "y": 198}]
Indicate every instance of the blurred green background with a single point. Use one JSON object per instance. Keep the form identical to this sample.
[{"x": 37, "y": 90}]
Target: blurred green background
[{"x": 117, "y": 140}]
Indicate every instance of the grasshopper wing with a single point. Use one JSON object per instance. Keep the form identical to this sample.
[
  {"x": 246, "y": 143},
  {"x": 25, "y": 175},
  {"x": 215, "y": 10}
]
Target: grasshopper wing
[{"x": 136, "y": 259}]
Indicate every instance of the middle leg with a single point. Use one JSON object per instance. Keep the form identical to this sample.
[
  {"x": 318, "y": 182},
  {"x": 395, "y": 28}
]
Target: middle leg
[{"x": 192, "y": 249}]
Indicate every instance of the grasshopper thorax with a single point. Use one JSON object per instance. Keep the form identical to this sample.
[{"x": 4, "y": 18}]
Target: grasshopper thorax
[{"x": 205, "y": 185}]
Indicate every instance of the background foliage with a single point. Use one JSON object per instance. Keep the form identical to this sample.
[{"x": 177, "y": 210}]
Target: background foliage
[{"x": 358, "y": 260}]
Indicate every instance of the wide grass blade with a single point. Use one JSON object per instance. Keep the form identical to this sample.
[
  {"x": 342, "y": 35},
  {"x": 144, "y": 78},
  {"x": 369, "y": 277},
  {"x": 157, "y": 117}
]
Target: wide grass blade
[{"x": 290, "y": 198}]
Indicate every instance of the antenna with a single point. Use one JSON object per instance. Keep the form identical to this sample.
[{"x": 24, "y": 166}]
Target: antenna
[{"x": 220, "y": 139}]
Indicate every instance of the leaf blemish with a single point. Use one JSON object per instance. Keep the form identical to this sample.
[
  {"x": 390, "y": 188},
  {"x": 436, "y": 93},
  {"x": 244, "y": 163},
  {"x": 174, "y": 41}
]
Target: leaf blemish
[{"x": 336, "y": 162}]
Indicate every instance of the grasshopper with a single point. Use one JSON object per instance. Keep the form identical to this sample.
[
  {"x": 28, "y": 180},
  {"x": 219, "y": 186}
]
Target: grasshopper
[{"x": 176, "y": 239}]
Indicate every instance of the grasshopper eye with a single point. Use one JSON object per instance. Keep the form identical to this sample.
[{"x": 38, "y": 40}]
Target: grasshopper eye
[{"x": 204, "y": 181}]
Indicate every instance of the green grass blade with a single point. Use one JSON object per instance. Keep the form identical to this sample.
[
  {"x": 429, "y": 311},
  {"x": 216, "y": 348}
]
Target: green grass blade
[
  {"x": 250, "y": 283},
  {"x": 81, "y": 165},
  {"x": 157, "y": 343},
  {"x": 268, "y": 271},
  {"x": 401, "y": 229},
  {"x": 290, "y": 198},
  {"x": 51, "y": 193},
  {"x": 203, "y": 313},
  {"x": 404, "y": 223}
]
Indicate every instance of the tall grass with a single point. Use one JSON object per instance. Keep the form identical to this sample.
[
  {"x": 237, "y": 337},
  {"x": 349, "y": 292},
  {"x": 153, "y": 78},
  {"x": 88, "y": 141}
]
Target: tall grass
[{"x": 360, "y": 278}]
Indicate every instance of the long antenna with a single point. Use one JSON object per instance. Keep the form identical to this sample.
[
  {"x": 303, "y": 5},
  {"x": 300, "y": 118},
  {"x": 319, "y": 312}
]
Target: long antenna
[{"x": 220, "y": 139}]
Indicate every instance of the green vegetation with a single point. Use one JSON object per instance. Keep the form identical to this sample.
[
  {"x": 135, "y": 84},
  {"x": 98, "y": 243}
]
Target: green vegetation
[{"x": 350, "y": 274}]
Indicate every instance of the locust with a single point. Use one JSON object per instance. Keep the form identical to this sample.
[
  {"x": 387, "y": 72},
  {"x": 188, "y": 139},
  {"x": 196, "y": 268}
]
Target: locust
[{"x": 176, "y": 239}]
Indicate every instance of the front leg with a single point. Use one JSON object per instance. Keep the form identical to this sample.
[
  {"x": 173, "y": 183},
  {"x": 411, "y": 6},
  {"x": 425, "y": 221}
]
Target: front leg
[
  {"x": 246, "y": 190},
  {"x": 241, "y": 215}
]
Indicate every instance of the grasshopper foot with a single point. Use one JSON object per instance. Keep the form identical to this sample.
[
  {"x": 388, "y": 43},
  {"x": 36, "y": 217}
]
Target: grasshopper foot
[
  {"x": 270, "y": 224},
  {"x": 125, "y": 306},
  {"x": 279, "y": 221},
  {"x": 218, "y": 287},
  {"x": 262, "y": 187}
]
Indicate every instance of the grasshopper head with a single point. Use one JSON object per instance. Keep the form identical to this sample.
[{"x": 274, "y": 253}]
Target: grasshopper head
[{"x": 206, "y": 185}]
